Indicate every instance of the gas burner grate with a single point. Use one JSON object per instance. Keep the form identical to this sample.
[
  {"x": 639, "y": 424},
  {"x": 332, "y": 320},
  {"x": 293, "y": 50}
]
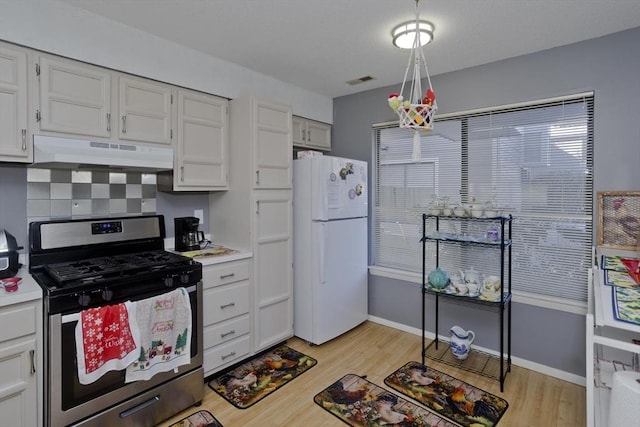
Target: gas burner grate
[{"x": 101, "y": 269}]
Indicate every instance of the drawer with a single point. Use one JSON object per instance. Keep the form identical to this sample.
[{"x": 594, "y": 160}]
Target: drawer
[
  {"x": 222, "y": 274},
  {"x": 225, "y": 302},
  {"x": 225, "y": 354},
  {"x": 225, "y": 331},
  {"x": 20, "y": 317}
]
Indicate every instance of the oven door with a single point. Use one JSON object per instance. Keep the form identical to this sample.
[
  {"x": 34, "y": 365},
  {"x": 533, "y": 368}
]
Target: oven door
[{"x": 70, "y": 402}]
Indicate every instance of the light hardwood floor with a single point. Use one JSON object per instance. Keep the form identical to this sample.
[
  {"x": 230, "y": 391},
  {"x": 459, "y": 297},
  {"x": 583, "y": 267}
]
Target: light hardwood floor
[{"x": 376, "y": 351}]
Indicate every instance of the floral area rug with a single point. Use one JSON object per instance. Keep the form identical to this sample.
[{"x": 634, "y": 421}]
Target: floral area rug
[
  {"x": 448, "y": 396},
  {"x": 361, "y": 403},
  {"x": 198, "y": 419},
  {"x": 253, "y": 380}
]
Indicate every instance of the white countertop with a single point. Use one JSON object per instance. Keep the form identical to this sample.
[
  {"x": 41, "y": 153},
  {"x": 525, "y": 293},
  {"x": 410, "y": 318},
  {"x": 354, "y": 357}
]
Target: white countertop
[
  {"x": 28, "y": 290},
  {"x": 202, "y": 258}
]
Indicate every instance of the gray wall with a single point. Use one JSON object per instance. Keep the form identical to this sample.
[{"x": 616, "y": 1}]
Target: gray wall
[{"x": 609, "y": 66}]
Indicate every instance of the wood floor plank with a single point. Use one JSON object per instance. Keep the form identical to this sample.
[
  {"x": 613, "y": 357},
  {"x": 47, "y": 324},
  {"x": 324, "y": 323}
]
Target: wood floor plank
[{"x": 374, "y": 350}]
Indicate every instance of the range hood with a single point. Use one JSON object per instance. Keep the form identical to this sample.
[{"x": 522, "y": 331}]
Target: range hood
[{"x": 70, "y": 153}]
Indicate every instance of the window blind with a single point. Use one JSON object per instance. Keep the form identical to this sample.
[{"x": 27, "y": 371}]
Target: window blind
[{"x": 533, "y": 161}]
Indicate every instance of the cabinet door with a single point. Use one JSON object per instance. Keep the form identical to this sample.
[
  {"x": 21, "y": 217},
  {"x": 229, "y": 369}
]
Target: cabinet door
[
  {"x": 299, "y": 131},
  {"x": 318, "y": 135},
  {"x": 203, "y": 142},
  {"x": 13, "y": 105},
  {"x": 74, "y": 97},
  {"x": 273, "y": 269},
  {"x": 18, "y": 389},
  {"x": 144, "y": 107},
  {"x": 273, "y": 146}
]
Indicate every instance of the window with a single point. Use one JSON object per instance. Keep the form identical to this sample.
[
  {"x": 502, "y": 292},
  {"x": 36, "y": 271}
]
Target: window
[{"x": 533, "y": 161}]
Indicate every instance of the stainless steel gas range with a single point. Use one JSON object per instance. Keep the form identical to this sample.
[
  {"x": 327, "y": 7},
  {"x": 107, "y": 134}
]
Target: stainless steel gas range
[{"x": 82, "y": 264}]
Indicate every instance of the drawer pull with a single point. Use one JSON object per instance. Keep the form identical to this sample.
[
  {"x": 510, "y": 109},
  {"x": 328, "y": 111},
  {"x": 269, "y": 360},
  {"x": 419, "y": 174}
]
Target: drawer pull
[
  {"x": 226, "y": 356},
  {"x": 32, "y": 355},
  {"x": 226, "y": 334},
  {"x": 231, "y": 304},
  {"x": 226, "y": 276}
]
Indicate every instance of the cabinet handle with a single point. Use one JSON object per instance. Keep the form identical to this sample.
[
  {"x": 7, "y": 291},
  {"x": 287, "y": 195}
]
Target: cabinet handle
[
  {"x": 124, "y": 124},
  {"x": 226, "y": 356},
  {"x": 32, "y": 355},
  {"x": 108, "y": 122},
  {"x": 226, "y": 334},
  {"x": 308, "y": 136},
  {"x": 226, "y": 276},
  {"x": 182, "y": 173},
  {"x": 303, "y": 137},
  {"x": 24, "y": 140},
  {"x": 258, "y": 207},
  {"x": 223, "y": 306},
  {"x": 258, "y": 177}
]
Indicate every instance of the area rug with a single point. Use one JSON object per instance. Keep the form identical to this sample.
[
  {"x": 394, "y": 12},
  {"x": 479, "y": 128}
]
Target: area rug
[
  {"x": 253, "y": 380},
  {"x": 361, "y": 403},
  {"x": 198, "y": 419},
  {"x": 448, "y": 396}
]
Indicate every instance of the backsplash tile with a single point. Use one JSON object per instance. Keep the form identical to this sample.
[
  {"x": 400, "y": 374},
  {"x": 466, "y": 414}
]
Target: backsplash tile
[{"x": 63, "y": 193}]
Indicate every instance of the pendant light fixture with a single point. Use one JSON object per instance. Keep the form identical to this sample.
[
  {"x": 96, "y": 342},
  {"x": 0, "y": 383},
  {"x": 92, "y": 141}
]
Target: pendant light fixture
[{"x": 414, "y": 105}]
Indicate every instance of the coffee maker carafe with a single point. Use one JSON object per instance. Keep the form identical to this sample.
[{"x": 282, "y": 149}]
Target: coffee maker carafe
[{"x": 187, "y": 235}]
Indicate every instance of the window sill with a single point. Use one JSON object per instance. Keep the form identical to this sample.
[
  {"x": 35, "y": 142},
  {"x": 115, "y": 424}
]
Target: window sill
[{"x": 568, "y": 306}]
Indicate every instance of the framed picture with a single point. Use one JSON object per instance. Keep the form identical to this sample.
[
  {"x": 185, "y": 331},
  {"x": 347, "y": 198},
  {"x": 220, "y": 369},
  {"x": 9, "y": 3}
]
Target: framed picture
[{"x": 619, "y": 219}]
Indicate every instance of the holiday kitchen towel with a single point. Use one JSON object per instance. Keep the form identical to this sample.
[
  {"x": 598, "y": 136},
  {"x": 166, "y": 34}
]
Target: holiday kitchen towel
[
  {"x": 164, "y": 322},
  {"x": 105, "y": 341}
]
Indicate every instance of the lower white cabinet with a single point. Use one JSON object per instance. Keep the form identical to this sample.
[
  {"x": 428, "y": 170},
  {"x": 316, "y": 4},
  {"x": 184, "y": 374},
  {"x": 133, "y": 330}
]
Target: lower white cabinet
[
  {"x": 19, "y": 402},
  {"x": 226, "y": 314}
]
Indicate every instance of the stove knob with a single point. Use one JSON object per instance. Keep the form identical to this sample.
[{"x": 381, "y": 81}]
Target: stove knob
[
  {"x": 107, "y": 294},
  {"x": 184, "y": 278},
  {"x": 168, "y": 281},
  {"x": 84, "y": 299}
]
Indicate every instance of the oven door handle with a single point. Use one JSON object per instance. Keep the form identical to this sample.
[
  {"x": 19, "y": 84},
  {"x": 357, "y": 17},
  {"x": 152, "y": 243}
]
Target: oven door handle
[{"x": 75, "y": 317}]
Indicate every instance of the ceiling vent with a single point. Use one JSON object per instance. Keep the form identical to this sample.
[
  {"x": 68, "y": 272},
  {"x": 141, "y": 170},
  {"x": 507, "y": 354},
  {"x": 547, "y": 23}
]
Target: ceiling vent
[{"x": 360, "y": 80}]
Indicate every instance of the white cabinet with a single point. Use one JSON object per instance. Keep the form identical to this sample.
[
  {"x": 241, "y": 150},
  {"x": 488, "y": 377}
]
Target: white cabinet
[
  {"x": 74, "y": 97},
  {"x": 610, "y": 345},
  {"x": 13, "y": 105},
  {"x": 202, "y": 150},
  {"x": 268, "y": 129},
  {"x": 144, "y": 110},
  {"x": 311, "y": 134},
  {"x": 19, "y": 366},
  {"x": 273, "y": 271},
  {"x": 255, "y": 212},
  {"x": 226, "y": 314}
]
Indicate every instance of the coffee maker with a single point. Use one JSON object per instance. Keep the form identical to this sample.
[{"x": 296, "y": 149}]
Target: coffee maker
[{"x": 187, "y": 235}]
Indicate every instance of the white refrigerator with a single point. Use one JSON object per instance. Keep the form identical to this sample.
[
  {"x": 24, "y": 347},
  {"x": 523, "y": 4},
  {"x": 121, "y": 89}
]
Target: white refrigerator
[{"x": 330, "y": 246}]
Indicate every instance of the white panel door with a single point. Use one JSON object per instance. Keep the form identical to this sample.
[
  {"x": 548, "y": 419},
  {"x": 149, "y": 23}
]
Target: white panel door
[
  {"x": 273, "y": 268},
  {"x": 74, "y": 97},
  {"x": 13, "y": 105},
  {"x": 145, "y": 110},
  {"x": 339, "y": 277}
]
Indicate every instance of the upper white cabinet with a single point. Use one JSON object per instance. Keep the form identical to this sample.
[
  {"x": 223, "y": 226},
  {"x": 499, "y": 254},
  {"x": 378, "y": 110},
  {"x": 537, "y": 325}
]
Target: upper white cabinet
[
  {"x": 311, "y": 134},
  {"x": 14, "y": 134},
  {"x": 144, "y": 110},
  {"x": 74, "y": 97},
  {"x": 202, "y": 148},
  {"x": 81, "y": 99},
  {"x": 269, "y": 130}
]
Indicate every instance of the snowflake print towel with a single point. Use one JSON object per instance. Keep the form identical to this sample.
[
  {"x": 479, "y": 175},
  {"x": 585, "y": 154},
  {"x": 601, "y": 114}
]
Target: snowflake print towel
[
  {"x": 164, "y": 322},
  {"x": 105, "y": 341}
]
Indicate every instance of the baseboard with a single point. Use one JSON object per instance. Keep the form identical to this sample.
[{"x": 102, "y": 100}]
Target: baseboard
[{"x": 517, "y": 361}]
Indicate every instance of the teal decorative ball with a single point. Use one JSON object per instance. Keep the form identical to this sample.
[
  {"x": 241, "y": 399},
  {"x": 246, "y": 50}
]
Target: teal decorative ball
[{"x": 438, "y": 278}]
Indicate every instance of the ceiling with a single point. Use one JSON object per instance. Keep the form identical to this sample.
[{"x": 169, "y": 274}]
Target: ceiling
[{"x": 320, "y": 45}]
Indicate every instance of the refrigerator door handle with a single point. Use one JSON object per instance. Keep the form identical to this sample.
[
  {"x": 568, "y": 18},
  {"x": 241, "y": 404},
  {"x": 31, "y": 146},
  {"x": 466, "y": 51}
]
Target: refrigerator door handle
[{"x": 322, "y": 242}]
